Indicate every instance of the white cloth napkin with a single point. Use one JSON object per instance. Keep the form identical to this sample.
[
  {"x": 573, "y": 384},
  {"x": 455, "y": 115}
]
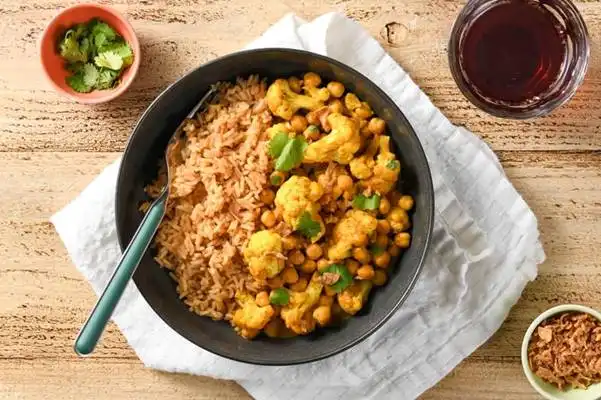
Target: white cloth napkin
[{"x": 485, "y": 249}]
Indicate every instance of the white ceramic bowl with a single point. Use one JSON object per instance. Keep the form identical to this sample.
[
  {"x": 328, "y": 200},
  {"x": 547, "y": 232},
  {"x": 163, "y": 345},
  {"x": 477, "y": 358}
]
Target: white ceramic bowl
[{"x": 547, "y": 390}]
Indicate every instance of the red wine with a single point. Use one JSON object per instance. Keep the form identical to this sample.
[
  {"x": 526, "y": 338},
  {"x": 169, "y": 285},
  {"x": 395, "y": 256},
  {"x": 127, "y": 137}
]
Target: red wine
[{"x": 513, "y": 52}]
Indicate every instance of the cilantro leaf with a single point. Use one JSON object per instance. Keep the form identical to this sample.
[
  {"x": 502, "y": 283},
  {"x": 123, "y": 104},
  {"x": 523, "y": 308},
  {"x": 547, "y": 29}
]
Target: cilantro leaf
[
  {"x": 277, "y": 143},
  {"x": 307, "y": 226},
  {"x": 366, "y": 203},
  {"x": 109, "y": 59},
  {"x": 102, "y": 33},
  {"x": 292, "y": 154},
  {"x": 345, "y": 278},
  {"x": 77, "y": 83},
  {"x": 90, "y": 74},
  {"x": 313, "y": 129},
  {"x": 70, "y": 48},
  {"x": 279, "y": 296},
  {"x": 376, "y": 250},
  {"x": 106, "y": 78},
  {"x": 393, "y": 164}
]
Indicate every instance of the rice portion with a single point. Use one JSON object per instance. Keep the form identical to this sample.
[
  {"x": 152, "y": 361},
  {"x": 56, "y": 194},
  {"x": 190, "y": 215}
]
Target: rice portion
[{"x": 214, "y": 205}]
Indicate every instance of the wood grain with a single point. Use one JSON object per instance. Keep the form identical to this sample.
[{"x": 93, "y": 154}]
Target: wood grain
[{"x": 50, "y": 149}]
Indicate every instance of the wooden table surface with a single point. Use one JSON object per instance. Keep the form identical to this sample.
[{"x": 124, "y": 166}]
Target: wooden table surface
[{"x": 50, "y": 149}]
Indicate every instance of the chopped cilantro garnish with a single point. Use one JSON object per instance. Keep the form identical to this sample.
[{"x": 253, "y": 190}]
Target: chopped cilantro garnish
[
  {"x": 307, "y": 226},
  {"x": 313, "y": 129},
  {"x": 95, "y": 54},
  {"x": 292, "y": 154},
  {"x": 366, "y": 203},
  {"x": 279, "y": 297},
  {"x": 275, "y": 180},
  {"x": 345, "y": 278},
  {"x": 393, "y": 164},
  {"x": 277, "y": 143}
]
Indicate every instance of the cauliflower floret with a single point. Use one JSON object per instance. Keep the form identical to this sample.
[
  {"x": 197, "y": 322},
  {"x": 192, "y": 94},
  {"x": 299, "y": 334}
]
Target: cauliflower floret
[
  {"x": 284, "y": 103},
  {"x": 339, "y": 145},
  {"x": 352, "y": 299},
  {"x": 298, "y": 313},
  {"x": 297, "y": 196},
  {"x": 349, "y": 232},
  {"x": 250, "y": 318},
  {"x": 263, "y": 255},
  {"x": 380, "y": 175},
  {"x": 321, "y": 94},
  {"x": 362, "y": 167}
]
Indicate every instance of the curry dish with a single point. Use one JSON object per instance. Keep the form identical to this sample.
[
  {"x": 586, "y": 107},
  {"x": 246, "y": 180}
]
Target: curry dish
[{"x": 328, "y": 217}]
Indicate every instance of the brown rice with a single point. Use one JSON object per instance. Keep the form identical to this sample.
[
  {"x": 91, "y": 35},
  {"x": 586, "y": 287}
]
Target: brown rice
[{"x": 214, "y": 199}]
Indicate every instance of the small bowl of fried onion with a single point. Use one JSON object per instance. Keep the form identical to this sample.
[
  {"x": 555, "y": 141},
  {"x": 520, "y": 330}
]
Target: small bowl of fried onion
[{"x": 561, "y": 353}]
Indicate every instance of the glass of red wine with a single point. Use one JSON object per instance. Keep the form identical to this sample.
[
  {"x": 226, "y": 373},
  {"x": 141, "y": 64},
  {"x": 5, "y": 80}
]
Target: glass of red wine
[{"x": 519, "y": 58}]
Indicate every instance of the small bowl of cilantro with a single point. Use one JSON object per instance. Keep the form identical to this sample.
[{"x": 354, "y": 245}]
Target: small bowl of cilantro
[{"x": 90, "y": 53}]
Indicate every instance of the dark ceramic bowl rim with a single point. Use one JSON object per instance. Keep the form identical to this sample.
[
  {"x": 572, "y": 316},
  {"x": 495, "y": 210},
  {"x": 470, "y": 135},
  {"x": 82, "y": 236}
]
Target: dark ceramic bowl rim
[{"x": 429, "y": 218}]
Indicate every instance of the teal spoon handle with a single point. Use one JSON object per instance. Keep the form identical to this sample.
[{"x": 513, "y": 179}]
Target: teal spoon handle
[{"x": 92, "y": 330}]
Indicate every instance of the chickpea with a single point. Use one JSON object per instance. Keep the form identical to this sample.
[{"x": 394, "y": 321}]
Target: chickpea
[
  {"x": 361, "y": 239},
  {"x": 314, "y": 251},
  {"x": 366, "y": 272},
  {"x": 344, "y": 182},
  {"x": 300, "y": 285},
  {"x": 312, "y": 133},
  {"x": 268, "y": 218},
  {"x": 329, "y": 291},
  {"x": 308, "y": 267},
  {"x": 277, "y": 178},
  {"x": 382, "y": 260},
  {"x": 383, "y": 227},
  {"x": 336, "y": 106},
  {"x": 376, "y": 126},
  {"x": 351, "y": 101},
  {"x": 272, "y": 329},
  {"x": 267, "y": 196},
  {"x": 262, "y": 299},
  {"x": 397, "y": 214},
  {"x": 336, "y": 89},
  {"x": 363, "y": 113},
  {"x": 402, "y": 240},
  {"x": 298, "y": 123},
  {"x": 361, "y": 254},
  {"x": 312, "y": 118},
  {"x": 380, "y": 278},
  {"x": 322, "y": 264},
  {"x": 295, "y": 84},
  {"x": 322, "y": 315},
  {"x": 315, "y": 191},
  {"x": 312, "y": 79},
  {"x": 289, "y": 275},
  {"x": 382, "y": 241},
  {"x": 352, "y": 266},
  {"x": 326, "y": 301},
  {"x": 406, "y": 203},
  {"x": 296, "y": 257},
  {"x": 290, "y": 242},
  {"x": 384, "y": 206},
  {"x": 275, "y": 283},
  {"x": 394, "y": 250}
]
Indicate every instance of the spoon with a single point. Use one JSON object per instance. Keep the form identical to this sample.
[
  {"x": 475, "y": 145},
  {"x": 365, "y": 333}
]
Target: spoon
[{"x": 101, "y": 313}]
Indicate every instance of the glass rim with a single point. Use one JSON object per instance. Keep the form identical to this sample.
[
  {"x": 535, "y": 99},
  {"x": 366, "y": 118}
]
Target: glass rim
[{"x": 574, "y": 80}]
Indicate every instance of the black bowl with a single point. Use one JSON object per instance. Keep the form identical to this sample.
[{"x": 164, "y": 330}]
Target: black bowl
[{"x": 139, "y": 167}]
